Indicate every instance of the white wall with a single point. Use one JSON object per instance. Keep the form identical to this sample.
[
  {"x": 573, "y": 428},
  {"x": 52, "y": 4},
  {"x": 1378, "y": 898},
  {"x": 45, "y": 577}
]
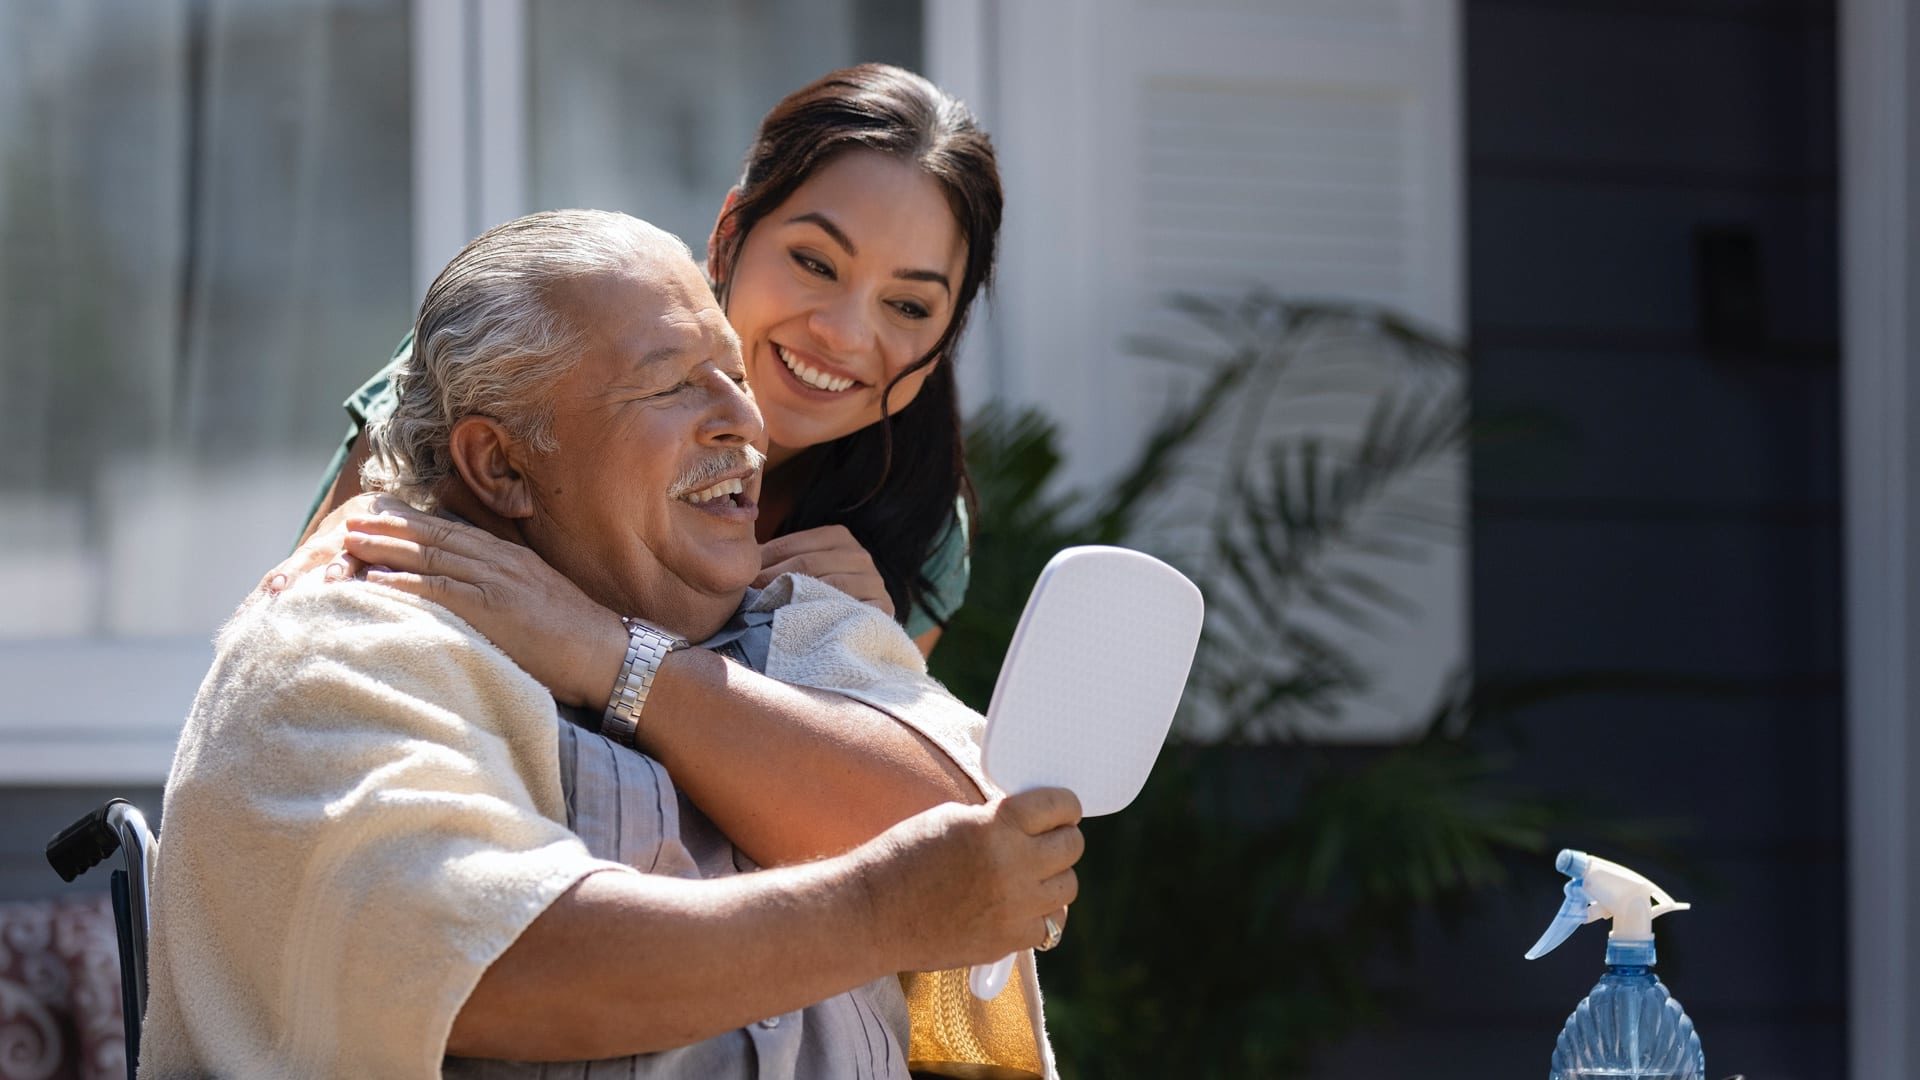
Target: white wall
[{"x": 1151, "y": 147}]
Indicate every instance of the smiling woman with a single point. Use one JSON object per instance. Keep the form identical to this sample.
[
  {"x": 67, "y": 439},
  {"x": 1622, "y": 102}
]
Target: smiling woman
[
  {"x": 862, "y": 229},
  {"x": 847, "y": 258},
  {"x": 839, "y": 295}
]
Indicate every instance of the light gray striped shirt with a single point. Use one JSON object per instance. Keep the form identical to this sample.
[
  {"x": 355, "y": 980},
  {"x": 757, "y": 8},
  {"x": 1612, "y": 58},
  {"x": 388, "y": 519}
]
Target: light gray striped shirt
[{"x": 626, "y": 808}]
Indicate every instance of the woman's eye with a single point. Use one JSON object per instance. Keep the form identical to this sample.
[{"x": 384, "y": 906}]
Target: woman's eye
[
  {"x": 812, "y": 265},
  {"x": 912, "y": 309}
]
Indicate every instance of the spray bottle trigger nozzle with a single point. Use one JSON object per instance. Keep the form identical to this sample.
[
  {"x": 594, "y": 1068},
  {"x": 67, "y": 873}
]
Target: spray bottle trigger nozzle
[
  {"x": 1577, "y": 911},
  {"x": 1664, "y": 904}
]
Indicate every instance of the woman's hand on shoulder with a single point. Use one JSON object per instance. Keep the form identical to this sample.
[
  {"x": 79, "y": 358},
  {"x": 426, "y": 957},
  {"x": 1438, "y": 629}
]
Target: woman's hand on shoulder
[
  {"x": 524, "y": 606},
  {"x": 831, "y": 554},
  {"x": 325, "y": 546},
  {"x": 528, "y": 609}
]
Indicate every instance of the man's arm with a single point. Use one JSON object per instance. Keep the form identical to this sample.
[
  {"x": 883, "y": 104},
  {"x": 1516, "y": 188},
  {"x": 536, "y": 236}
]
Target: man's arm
[
  {"x": 630, "y": 963},
  {"x": 365, "y": 827}
]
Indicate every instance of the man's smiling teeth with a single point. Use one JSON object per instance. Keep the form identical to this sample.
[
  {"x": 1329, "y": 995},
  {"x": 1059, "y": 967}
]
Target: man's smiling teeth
[
  {"x": 819, "y": 380},
  {"x": 718, "y": 491}
]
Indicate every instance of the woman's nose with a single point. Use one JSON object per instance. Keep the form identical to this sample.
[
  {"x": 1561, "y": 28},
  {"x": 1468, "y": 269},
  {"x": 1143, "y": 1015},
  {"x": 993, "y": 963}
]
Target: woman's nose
[{"x": 841, "y": 325}]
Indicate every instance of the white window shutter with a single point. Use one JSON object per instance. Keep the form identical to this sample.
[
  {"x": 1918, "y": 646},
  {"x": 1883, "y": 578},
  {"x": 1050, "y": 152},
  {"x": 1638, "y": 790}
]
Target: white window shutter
[{"x": 1312, "y": 147}]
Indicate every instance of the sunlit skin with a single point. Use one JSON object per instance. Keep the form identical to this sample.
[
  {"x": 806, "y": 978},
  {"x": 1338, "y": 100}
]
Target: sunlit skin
[
  {"x": 853, "y": 276},
  {"x": 655, "y": 409},
  {"x": 660, "y": 371}
]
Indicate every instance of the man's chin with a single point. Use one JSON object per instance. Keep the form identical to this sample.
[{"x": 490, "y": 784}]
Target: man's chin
[
  {"x": 702, "y": 594},
  {"x": 722, "y": 566}
]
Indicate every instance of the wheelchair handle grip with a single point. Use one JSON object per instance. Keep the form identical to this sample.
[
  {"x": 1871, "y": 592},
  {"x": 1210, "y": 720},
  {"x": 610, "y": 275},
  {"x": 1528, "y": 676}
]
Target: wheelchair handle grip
[{"x": 84, "y": 844}]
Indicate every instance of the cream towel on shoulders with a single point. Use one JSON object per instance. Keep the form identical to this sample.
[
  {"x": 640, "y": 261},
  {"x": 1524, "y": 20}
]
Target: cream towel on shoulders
[
  {"x": 364, "y": 812},
  {"x": 825, "y": 639}
]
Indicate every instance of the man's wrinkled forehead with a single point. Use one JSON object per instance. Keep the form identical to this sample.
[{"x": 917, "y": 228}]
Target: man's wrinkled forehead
[{"x": 652, "y": 314}]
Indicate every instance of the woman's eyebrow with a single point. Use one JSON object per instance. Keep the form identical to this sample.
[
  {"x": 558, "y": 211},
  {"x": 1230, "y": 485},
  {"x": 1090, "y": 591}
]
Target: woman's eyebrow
[
  {"x": 814, "y": 217},
  {"x": 934, "y": 276},
  {"x": 826, "y": 225}
]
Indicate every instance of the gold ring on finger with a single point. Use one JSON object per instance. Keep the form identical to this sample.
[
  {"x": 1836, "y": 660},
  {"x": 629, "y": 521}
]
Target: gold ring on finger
[{"x": 1053, "y": 935}]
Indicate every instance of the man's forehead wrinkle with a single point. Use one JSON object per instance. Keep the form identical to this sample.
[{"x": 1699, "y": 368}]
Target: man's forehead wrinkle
[
  {"x": 639, "y": 367},
  {"x": 646, "y": 320},
  {"x": 643, "y": 360}
]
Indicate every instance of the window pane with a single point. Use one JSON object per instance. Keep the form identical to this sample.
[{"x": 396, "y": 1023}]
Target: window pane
[
  {"x": 648, "y": 107},
  {"x": 204, "y": 222}
]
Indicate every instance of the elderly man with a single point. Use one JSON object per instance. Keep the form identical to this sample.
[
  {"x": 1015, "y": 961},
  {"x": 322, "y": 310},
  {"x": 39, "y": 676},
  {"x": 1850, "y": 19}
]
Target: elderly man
[{"x": 387, "y": 854}]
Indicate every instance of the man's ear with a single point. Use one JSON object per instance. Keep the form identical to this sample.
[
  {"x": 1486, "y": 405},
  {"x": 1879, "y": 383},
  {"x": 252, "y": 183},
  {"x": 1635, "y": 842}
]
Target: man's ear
[
  {"x": 487, "y": 457},
  {"x": 722, "y": 232}
]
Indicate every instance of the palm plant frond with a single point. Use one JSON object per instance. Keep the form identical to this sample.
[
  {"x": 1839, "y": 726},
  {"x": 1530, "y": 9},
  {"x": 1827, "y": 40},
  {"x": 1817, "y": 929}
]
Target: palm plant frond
[{"x": 1311, "y": 860}]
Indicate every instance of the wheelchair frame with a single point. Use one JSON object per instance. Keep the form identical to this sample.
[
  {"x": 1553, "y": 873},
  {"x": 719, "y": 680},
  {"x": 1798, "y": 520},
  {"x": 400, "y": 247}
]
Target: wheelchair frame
[{"x": 83, "y": 845}]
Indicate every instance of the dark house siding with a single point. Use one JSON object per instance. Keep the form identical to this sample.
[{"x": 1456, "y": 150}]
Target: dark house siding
[
  {"x": 34, "y": 814},
  {"x": 1653, "y": 275}
]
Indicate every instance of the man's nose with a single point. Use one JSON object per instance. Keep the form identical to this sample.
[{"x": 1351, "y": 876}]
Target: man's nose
[{"x": 734, "y": 419}]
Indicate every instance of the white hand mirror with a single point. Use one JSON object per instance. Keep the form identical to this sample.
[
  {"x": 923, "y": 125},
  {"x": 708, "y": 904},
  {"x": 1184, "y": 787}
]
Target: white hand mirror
[{"x": 1089, "y": 686}]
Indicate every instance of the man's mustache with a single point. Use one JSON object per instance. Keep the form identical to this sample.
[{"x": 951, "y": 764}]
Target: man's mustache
[{"x": 710, "y": 470}]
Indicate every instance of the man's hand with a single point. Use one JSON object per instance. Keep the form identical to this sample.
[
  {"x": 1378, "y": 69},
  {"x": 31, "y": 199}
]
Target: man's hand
[
  {"x": 627, "y": 963},
  {"x": 961, "y": 885}
]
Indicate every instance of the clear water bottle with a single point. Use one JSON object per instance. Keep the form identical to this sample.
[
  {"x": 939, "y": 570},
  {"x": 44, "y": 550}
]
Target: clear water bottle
[{"x": 1629, "y": 1027}]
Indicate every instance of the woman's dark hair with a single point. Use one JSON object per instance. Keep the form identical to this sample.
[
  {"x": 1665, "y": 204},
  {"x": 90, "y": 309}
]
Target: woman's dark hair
[{"x": 892, "y": 484}]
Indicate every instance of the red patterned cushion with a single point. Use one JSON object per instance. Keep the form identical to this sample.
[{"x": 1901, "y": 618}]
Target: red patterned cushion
[{"x": 60, "y": 991}]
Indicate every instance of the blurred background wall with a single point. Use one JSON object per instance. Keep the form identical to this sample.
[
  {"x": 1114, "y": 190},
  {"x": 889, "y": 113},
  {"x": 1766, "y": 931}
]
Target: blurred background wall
[
  {"x": 215, "y": 218},
  {"x": 1653, "y": 268}
]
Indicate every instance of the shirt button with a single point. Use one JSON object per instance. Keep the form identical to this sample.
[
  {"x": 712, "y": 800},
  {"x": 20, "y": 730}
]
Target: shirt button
[{"x": 770, "y": 1022}]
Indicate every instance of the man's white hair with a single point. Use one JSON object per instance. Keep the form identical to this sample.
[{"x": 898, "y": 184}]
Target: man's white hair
[{"x": 492, "y": 341}]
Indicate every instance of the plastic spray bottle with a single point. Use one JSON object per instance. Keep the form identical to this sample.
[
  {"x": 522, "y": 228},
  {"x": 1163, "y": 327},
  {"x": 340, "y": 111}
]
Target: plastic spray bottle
[{"x": 1629, "y": 1027}]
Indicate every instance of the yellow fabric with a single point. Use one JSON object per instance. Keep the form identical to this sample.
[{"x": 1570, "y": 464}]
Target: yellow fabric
[
  {"x": 956, "y": 1034},
  {"x": 824, "y": 639}
]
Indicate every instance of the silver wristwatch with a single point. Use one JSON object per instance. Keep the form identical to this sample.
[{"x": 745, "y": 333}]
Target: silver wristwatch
[{"x": 647, "y": 646}]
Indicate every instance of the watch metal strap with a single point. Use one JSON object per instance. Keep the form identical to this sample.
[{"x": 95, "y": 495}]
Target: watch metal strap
[{"x": 647, "y": 646}]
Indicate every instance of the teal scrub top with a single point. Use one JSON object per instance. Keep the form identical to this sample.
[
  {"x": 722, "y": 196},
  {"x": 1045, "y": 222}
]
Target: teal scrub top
[{"x": 947, "y": 569}]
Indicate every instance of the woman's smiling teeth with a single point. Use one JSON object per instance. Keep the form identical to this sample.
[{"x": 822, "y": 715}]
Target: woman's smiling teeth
[
  {"x": 718, "y": 491},
  {"x": 819, "y": 380}
]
